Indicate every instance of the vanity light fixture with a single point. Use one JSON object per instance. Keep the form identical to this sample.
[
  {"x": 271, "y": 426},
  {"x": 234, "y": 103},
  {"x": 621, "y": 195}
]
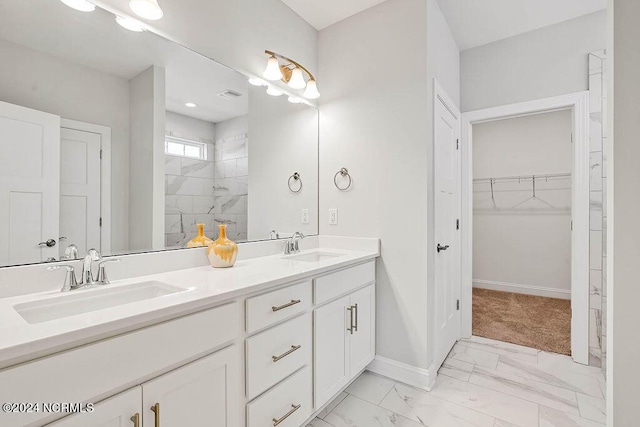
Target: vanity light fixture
[
  {"x": 147, "y": 9},
  {"x": 130, "y": 24},
  {"x": 257, "y": 82},
  {"x": 190, "y": 105},
  {"x": 273, "y": 91},
  {"x": 292, "y": 73},
  {"x": 81, "y": 5}
]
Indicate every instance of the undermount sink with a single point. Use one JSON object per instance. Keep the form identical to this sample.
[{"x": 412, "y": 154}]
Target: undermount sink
[
  {"x": 314, "y": 256},
  {"x": 86, "y": 301}
]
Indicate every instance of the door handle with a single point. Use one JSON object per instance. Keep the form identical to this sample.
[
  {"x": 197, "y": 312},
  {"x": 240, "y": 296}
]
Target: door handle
[
  {"x": 350, "y": 328},
  {"x": 442, "y": 248},
  {"x": 156, "y": 411},
  {"x": 136, "y": 420},
  {"x": 48, "y": 243},
  {"x": 355, "y": 325}
]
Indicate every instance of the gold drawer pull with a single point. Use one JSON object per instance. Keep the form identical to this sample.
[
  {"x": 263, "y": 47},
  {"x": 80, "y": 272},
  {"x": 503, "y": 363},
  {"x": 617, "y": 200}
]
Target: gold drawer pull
[
  {"x": 355, "y": 325},
  {"x": 289, "y": 304},
  {"x": 156, "y": 410},
  {"x": 136, "y": 420},
  {"x": 283, "y": 355},
  {"x": 285, "y": 416},
  {"x": 350, "y": 328}
]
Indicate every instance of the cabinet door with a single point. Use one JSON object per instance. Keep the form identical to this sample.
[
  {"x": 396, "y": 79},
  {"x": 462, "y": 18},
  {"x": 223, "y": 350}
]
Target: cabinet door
[
  {"x": 117, "y": 411},
  {"x": 331, "y": 349},
  {"x": 203, "y": 393},
  {"x": 362, "y": 346}
]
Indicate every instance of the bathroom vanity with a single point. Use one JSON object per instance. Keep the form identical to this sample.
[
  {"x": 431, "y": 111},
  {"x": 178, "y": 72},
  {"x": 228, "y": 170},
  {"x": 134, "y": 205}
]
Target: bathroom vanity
[{"x": 268, "y": 342}]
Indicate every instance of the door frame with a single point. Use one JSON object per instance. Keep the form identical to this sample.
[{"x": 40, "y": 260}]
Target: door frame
[
  {"x": 105, "y": 175},
  {"x": 579, "y": 104}
]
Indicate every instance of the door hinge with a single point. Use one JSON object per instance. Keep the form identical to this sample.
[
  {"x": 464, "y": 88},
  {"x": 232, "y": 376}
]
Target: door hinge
[
  {"x": 458, "y": 305},
  {"x": 457, "y": 224},
  {"x": 571, "y": 225},
  {"x": 457, "y": 144},
  {"x": 572, "y": 137},
  {"x": 101, "y": 154},
  {"x": 100, "y": 222}
]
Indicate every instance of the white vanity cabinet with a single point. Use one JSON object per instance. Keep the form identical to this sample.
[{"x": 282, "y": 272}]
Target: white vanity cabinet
[
  {"x": 121, "y": 410},
  {"x": 203, "y": 393},
  {"x": 344, "y": 330}
]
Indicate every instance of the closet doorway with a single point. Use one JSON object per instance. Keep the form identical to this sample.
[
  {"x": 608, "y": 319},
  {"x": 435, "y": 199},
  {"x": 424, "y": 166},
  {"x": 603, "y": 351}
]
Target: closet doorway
[{"x": 525, "y": 224}]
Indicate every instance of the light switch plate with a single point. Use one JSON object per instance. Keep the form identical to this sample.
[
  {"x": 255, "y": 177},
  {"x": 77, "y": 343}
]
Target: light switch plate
[
  {"x": 305, "y": 216},
  {"x": 333, "y": 216}
]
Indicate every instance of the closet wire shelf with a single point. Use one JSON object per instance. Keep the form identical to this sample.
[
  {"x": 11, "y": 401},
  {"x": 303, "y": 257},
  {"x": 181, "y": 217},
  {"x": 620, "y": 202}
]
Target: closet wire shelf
[{"x": 533, "y": 183}]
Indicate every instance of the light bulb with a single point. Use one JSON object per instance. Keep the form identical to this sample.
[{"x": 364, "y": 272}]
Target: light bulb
[
  {"x": 312, "y": 90},
  {"x": 273, "y": 91},
  {"x": 297, "y": 80},
  {"x": 257, "y": 82},
  {"x": 147, "y": 9},
  {"x": 272, "y": 72},
  {"x": 130, "y": 24},
  {"x": 81, "y": 5},
  {"x": 294, "y": 100}
]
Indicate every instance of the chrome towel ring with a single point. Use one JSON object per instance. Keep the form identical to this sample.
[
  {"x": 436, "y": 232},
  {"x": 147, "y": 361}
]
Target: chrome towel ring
[
  {"x": 344, "y": 172},
  {"x": 292, "y": 180}
]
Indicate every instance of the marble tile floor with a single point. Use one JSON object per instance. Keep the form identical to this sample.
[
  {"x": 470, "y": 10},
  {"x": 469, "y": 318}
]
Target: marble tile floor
[{"x": 483, "y": 383}]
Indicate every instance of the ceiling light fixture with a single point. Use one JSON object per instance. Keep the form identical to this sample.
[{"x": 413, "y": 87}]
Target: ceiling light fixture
[
  {"x": 292, "y": 73},
  {"x": 273, "y": 91},
  {"x": 147, "y": 9},
  {"x": 190, "y": 105},
  {"x": 130, "y": 24},
  {"x": 81, "y": 5}
]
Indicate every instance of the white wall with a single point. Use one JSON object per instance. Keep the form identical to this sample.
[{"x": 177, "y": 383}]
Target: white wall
[
  {"x": 624, "y": 293},
  {"x": 43, "y": 82},
  {"x": 539, "y": 64},
  {"x": 375, "y": 121},
  {"x": 147, "y": 163},
  {"x": 518, "y": 241},
  {"x": 236, "y": 32},
  {"x": 284, "y": 140}
]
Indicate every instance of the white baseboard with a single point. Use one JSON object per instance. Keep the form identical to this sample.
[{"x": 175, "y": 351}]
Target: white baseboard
[
  {"x": 522, "y": 289},
  {"x": 401, "y": 372}
]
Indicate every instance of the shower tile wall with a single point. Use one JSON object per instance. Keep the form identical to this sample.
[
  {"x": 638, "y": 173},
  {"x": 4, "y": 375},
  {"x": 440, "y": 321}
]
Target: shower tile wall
[
  {"x": 230, "y": 186},
  {"x": 598, "y": 213}
]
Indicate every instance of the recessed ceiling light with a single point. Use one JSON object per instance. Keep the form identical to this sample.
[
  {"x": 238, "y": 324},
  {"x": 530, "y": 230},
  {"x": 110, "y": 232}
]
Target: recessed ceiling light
[
  {"x": 81, "y": 5},
  {"x": 190, "y": 105},
  {"x": 257, "y": 82},
  {"x": 130, "y": 24},
  {"x": 147, "y": 9}
]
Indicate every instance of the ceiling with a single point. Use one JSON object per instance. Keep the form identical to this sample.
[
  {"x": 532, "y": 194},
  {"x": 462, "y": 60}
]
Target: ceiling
[
  {"x": 96, "y": 41},
  {"x": 323, "y": 13},
  {"x": 475, "y": 23}
]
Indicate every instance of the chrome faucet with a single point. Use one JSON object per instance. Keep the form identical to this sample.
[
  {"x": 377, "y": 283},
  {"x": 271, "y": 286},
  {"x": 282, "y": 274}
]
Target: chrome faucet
[
  {"x": 292, "y": 246},
  {"x": 87, "y": 275},
  {"x": 70, "y": 282}
]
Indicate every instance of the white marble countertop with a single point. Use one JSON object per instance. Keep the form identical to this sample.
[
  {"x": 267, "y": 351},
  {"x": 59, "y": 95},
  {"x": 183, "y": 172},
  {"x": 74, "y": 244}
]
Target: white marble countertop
[{"x": 204, "y": 287}]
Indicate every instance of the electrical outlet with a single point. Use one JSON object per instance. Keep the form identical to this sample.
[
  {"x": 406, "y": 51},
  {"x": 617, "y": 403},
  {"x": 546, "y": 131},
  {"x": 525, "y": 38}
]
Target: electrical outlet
[
  {"x": 305, "y": 216},
  {"x": 333, "y": 216}
]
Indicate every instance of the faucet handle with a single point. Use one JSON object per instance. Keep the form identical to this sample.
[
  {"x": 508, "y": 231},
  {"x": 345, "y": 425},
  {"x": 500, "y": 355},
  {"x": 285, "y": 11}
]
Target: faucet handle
[
  {"x": 102, "y": 272},
  {"x": 70, "y": 281}
]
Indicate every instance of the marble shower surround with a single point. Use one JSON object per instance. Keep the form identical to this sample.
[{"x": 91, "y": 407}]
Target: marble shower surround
[{"x": 597, "y": 209}]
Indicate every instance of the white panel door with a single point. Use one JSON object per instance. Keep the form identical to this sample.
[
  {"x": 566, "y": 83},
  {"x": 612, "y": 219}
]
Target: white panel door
[
  {"x": 121, "y": 410},
  {"x": 331, "y": 349},
  {"x": 447, "y": 286},
  {"x": 79, "y": 189},
  {"x": 362, "y": 345},
  {"x": 29, "y": 184},
  {"x": 206, "y": 392}
]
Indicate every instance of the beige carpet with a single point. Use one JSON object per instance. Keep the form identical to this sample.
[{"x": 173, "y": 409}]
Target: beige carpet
[{"x": 532, "y": 321}]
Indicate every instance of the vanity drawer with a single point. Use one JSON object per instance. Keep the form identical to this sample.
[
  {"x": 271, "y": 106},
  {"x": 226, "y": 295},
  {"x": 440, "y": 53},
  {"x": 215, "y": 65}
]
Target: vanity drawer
[
  {"x": 94, "y": 371},
  {"x": 274, "y": 306},
  {"x": 289, "y": 344},
  {"x": 344, "y": 281},
  {"x": 290, "y": 399}
]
